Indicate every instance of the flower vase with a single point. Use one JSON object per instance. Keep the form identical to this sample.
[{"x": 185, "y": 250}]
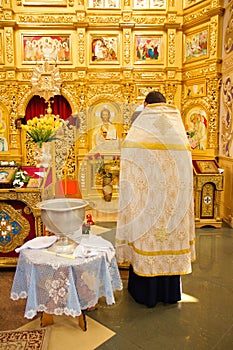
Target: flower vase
[
  {"x": 43, "y": 155},
  {"x": 107, "y": 187}
]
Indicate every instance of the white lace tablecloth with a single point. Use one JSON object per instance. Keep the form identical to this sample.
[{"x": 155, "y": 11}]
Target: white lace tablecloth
[{"x": 58, "y": 285}]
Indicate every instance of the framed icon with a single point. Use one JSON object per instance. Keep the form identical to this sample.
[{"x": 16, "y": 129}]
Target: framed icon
[
  {"x": 104, "y": 49},
  {"x": 50, "y": 48},
  {"x": 196, "y": 45},
  {"x": 6, "y": 176},
  {"x": 149, "y": 49}
]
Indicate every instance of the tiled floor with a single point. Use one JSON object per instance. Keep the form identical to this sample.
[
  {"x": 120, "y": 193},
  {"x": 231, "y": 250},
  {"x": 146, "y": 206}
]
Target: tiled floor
[{"x": 203, "y": 320}]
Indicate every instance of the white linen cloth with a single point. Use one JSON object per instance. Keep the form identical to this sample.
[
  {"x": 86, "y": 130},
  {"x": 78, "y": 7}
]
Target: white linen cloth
[
  {"x": 92, "y": 245},
  {"x": 38, "y": 243}
]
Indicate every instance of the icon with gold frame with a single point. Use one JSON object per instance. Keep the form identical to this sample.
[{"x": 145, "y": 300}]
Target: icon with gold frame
[
  {"x": 104, "y": 48},
  {"x": 196, "y": 45},
  {"x": 7, "y": 176},
  {"x": 149, "y": 49}
]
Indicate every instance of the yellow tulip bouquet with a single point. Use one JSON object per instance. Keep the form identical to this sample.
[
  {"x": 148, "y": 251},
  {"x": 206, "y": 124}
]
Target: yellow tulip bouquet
[{"x": 43, "y": 129}]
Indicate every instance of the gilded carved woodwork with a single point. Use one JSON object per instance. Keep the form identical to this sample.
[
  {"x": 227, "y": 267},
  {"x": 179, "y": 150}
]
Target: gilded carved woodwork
[
  {"x": 171, "y": 18},
  {"x": 154, "y": 76},
  {"x": 207, "y": 195},
  {"x": 204, "y": 70},
  {"x": 213, "y": 86},
  {"x": 46, "y": 81},
  {"x": 215, "y": 179},
  {"x": 104, "y": 19},
  {"x": 170, "y": 91},
  {"x": 9, "y": 45},
  {"x": 127, "y": 46},
  {"x": 213, "y": 36},
  {"x": 150, "y": 20},
  {"x": 104, "y": 76},
  {"x": 29, "y": 197},
  {"x": 64, "y": 157},
  {"x": 171, "y": 47},
  {"x": 199, "y": 14},
  {"x": 95, "y": 92},
  {"x": 81, "y": 46},
  {"x": 61, "y": 19},
  {"x": 207, "y": 200}
]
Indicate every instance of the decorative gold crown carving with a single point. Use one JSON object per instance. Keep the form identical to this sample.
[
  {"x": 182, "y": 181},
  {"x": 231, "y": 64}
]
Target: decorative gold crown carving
[{"x": 46, "y": 81}]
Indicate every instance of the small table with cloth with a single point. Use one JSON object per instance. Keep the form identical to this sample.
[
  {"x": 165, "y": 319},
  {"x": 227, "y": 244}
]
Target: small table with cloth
[{"x": 56, "y": 285}]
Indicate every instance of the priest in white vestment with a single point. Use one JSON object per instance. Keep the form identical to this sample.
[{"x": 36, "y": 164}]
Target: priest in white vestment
[{"x": 155, "y": 229}]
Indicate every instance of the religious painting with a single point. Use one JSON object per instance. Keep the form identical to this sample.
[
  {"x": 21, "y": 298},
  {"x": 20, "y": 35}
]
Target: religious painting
[
  {"x": 104, "y": 49},
  {"x": 196, "y": 128},
  {"x": 1, "y": 47},
  {"x": 104, "y": 124},
  {"x": 52, "y": 48},
  {"x": 196, "y": 45},
  {"x": 149, "y": 49},
  {"x": 104, "y": 4},
  {"x": 195, "y": 90},
  {"x": 6, "y": 176}
]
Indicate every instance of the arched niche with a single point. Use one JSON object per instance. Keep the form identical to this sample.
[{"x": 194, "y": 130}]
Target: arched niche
[{"x": 37, "y": 106}]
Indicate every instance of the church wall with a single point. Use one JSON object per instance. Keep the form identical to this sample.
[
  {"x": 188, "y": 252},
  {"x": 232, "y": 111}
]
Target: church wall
[{"x": 226, "y": 113}]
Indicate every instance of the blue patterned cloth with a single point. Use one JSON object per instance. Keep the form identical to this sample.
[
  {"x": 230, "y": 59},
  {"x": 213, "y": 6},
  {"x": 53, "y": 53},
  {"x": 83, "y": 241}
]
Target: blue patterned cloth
[{"x": 58, "y": 285}]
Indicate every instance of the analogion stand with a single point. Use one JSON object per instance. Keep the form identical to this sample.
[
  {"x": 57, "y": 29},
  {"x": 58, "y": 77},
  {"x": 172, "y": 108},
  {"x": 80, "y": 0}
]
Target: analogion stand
[{"x": 208, "y": 185}]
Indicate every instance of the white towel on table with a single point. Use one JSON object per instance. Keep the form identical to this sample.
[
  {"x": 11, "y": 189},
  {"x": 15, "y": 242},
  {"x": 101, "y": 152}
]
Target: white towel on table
[
  {"x": 92, "y": 245},
  {"x": 38, "y": 243}
]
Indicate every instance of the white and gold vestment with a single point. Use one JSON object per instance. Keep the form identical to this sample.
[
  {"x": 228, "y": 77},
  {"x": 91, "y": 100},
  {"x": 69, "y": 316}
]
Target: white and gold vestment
[{"x": 155, "y": 229}]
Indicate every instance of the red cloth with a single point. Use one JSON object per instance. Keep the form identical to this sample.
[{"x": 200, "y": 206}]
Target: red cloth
[
  {"x": 31, "y": 171},
  {"x": 69, "y": 188}
]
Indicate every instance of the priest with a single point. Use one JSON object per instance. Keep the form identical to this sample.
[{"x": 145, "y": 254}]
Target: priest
[{"x": 155, "y": 229}]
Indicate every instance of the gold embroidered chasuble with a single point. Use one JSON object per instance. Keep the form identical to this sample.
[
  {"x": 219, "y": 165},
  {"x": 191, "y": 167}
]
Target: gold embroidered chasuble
[{"x": 155, "y": 228}]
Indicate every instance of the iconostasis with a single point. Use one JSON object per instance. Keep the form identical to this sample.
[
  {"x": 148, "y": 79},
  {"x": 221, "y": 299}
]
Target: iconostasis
[{"x": 110, "y": 54}]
